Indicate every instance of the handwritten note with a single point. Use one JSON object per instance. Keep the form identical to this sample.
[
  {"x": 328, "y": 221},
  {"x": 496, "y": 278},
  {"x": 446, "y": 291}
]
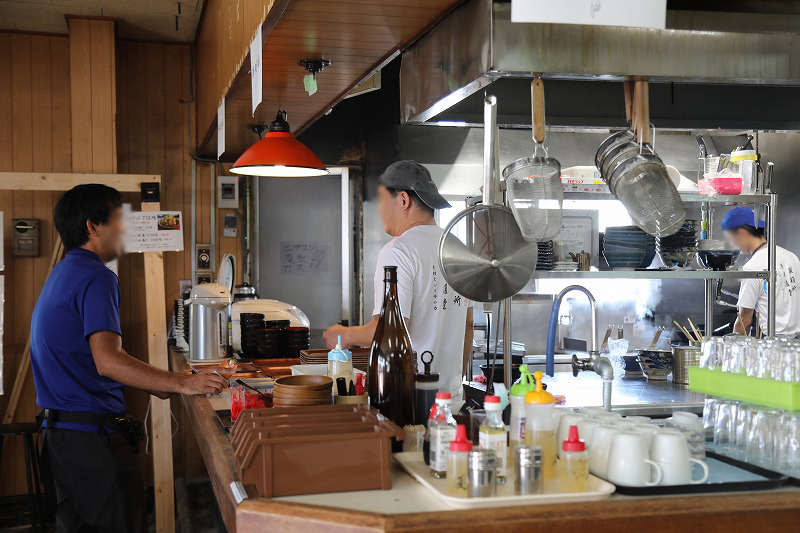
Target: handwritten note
[
  {"x": 304, "y": 257},
  {"x": 157, "y": 231}
]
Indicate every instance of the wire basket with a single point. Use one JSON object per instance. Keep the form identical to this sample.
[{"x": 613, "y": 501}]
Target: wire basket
[{"x": 536, "y": 196}]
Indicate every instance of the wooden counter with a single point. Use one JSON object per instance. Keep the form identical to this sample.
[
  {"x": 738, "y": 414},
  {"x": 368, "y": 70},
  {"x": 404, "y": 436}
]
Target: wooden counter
[{"x": 408, "y": 507}]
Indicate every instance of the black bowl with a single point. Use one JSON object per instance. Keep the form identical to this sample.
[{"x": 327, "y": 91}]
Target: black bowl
[
  {"x": 251, "y": 316},
  {"x": 717, "y": 259},
  {"x": 498, "y": 372},
  {"x": 277, "y": 324}
]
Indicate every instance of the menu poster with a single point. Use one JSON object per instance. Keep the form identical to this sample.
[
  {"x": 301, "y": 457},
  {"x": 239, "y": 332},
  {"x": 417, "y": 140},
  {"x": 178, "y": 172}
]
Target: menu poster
[{"x": 154, "y": 231}]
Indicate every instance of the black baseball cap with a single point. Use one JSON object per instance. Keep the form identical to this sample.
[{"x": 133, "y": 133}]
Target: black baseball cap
[{"x": 411, "y": 176}]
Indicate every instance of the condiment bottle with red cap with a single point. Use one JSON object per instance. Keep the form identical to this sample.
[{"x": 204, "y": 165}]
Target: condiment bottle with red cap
[
  {"x": 443, "y": 430},
  {"x": 574, "y": 463},
  {"x": 493, "y": 435},
  {"x": 457, "y": 463},
  {"x": 540, "y": 428}
]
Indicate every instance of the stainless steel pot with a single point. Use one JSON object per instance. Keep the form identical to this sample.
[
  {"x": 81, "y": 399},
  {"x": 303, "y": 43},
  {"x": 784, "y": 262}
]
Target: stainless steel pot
[{"x": 682, "y": 358}]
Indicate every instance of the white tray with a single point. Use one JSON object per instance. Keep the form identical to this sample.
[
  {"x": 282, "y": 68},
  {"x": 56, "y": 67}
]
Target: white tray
[{"x": 413, "y": 463}]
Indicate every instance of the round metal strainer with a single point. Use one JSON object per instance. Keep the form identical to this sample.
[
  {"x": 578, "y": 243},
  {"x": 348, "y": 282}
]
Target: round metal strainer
[{"x": 483, "y": 255}]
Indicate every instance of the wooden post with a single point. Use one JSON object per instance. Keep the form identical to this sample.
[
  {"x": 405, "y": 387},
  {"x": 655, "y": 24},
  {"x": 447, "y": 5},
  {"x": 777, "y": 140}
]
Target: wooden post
[
  {"x": 641, "y": 110},
  {"x": 160, "y": 413}
]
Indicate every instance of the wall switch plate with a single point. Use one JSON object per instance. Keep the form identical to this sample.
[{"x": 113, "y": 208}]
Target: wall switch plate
[
  {"x": 26, "y": 237},
  {"x": 202, "y": 253},
  {"x": 228, "y": 192},
  {"x": 203, "y": 277}
]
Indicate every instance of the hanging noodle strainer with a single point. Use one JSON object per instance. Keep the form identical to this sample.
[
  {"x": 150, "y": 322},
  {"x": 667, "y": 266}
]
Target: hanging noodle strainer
[{"x": 535, "y": 194}]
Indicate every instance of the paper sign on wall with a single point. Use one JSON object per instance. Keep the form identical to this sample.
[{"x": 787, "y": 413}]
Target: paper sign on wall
[
  {"x": 255, "y": 69},
  {"x": 154, "y": 231},
  {"x": 633, "y": 13},
  {"x": 304, "y": 257},
  {"x": 221, "y": 129}
]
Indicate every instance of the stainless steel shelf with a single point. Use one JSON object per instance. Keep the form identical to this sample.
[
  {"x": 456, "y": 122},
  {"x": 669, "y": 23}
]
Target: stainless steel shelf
[
  {"x": 687, "y": 197},
  {"x": 652, "y": 274}
]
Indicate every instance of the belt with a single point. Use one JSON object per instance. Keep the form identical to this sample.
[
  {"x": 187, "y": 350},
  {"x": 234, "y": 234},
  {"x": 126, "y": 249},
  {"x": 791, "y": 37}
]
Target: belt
[
  {"x": 79, "y": 417},
  {"x": 126, "y": 425}
]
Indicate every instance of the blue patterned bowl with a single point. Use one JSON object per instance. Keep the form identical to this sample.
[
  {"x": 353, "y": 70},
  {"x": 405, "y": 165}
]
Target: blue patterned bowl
[{"x": 656, "y": 364}]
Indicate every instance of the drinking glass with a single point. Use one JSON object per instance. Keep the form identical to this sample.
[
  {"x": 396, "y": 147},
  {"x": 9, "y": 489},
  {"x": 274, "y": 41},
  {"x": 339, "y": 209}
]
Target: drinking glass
[
  {"x": 724, "y": 424},
  {"x": 742, "y": 424},
  {"x": 476, "y": 418},
  {"x": 762, "y": 442},
  {"x": 790, "y": 361},
  {"x": 789, "y": 442},
  {"x": 709, "y": 415},
  {"x": 712, "y": 352},
  {"x": 729, "y": 361},
  {"x": 748, "y": 355},
  {"x": 769, "y": 354}
]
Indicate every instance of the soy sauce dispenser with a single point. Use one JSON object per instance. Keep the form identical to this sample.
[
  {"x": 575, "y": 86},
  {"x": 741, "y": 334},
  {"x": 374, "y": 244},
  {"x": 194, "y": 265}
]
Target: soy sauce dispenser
[{"x": 427, "y": 385}]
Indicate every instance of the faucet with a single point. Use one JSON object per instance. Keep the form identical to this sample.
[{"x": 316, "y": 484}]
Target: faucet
[{"x": 596, "y": 363}]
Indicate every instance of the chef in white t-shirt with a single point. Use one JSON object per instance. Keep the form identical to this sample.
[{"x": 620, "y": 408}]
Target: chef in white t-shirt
[
  {"x": 439, "y": 320},
  {"x": 747, "y": 236}
]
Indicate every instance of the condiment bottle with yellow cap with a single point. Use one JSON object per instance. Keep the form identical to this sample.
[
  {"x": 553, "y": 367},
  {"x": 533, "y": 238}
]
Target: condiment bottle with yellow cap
[{"x": 540, "y": 429}]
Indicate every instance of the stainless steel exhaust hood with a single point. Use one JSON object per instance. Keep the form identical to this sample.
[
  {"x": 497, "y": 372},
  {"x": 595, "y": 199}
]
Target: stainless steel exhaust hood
[{"x": 478, "y": 44}]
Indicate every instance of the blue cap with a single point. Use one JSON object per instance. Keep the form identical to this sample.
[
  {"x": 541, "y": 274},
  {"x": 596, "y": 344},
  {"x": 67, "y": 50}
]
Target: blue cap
[{"x": 741, "y": 216}]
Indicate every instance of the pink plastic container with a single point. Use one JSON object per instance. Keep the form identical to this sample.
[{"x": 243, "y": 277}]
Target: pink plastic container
[{"x": 721, "y": 185}]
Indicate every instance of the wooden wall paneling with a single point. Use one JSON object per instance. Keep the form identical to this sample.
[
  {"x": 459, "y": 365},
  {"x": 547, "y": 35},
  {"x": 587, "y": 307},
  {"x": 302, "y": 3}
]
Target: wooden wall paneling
[
  {"x": 22, "y": 160},
  {"x": 8, "y": 460},
  {"x": 61, "y": 105},
  {"x": 41, "y": 105}
]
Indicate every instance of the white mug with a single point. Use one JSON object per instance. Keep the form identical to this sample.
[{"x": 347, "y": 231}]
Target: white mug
[
  {"x": 567, "y": 420},
  {"x": 687, "y": 420},
  {"x": 609, "y": 418},
  {"x": 600, "y": 448},
  {"x": 671, "y": 451},
  {"x": 639, "y": 419},
  {"x": 586, "y": 427},
  {"x": 649, "y": 431},
  {"x": 629, "y": 463}
]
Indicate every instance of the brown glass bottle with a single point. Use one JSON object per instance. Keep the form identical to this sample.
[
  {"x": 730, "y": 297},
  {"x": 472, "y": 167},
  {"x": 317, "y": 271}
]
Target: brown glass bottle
[{"x": 391, "y": 360}]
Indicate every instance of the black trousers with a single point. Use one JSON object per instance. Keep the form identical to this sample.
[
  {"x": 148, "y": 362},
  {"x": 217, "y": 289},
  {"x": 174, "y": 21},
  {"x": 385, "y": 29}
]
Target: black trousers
[{"x": 98, "y": 486}]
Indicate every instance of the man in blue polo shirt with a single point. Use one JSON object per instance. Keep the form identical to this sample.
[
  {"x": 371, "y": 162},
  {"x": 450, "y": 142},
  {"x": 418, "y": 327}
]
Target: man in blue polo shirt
[{"x": 80, "y": 370}]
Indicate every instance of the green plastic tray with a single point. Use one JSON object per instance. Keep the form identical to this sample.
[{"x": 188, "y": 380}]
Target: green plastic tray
[{"x": 744, "y": 388}]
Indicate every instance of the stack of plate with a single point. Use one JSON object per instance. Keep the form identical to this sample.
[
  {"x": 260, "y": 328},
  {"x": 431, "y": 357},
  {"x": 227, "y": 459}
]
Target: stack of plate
[
  {"x": 678, "y": 249},
  {"x": 547, "y": 256},
  {"x": 628, "y": 248},
  {"x": 565, "y": 266},
  {"x": 304, "y": 390},
  {"x": 320, "y": 357}
]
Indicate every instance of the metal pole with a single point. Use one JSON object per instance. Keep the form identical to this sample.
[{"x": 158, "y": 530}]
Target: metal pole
[
  {"x": 490, "y": 163},
  {"x": 507, "y": 358},
  {"x": 771, "y": 263},
  {"x": 709, "y": 307}
]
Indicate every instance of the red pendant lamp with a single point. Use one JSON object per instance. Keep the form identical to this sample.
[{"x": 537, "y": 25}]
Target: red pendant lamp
[{"x": 279, "y": 155}]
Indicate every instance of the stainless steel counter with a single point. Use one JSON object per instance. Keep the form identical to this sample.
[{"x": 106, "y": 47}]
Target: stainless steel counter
[{"x": 629, "y": 395}]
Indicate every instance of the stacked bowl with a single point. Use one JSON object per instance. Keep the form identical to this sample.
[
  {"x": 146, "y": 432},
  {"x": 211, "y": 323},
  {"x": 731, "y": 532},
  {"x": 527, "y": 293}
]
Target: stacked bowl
[
  {"x": 302, "y": 390},
  {"x": 547, "y": 256},
  {"x": 251, "y": 324},
  {"x": 678, "y": 249},
  {"x": 298, "y": 338},
  {"x": 628, "y": 248}
]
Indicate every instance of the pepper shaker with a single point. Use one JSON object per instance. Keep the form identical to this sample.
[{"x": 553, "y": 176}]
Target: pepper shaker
[
  {"x": 528, "y": 470},
  {"x": 481, "y": 471}
]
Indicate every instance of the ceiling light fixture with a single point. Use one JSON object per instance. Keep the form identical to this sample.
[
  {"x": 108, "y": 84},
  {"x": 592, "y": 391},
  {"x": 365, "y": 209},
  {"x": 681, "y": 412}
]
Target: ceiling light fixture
[{"x": 279, "y": 154}]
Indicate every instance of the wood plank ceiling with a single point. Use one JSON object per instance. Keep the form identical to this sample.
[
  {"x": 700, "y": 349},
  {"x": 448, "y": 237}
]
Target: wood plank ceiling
[{"x": 356, "y": 36}]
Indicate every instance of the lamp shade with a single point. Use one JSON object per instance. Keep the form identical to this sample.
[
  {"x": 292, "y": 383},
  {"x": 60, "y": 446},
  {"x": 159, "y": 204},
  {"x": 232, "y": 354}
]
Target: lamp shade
[{"x": 279, "y": 155}]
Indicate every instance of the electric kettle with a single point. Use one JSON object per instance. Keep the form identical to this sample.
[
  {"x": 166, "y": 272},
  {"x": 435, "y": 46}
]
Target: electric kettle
[{"x": 208, "y": 321}]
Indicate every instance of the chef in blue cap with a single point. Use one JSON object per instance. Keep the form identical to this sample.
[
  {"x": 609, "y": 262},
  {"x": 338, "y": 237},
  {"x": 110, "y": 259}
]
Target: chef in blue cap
[{"x": 747, "y": 235}]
